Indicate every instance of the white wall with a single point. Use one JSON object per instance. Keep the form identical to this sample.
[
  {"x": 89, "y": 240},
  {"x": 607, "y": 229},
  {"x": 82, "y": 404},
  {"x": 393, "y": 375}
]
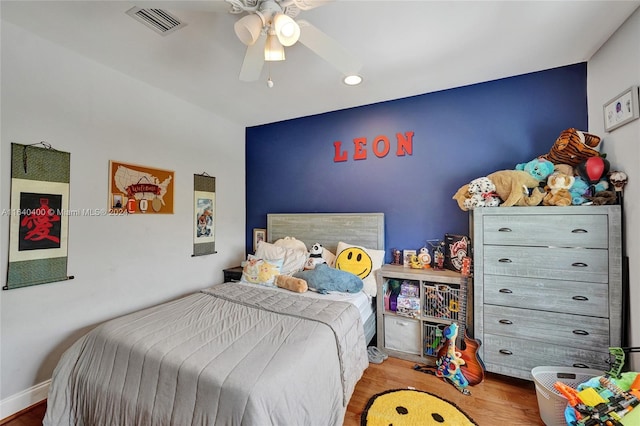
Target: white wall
[
  {"x": 614, "y": 68},
  {"x": 120, "y": 264}
]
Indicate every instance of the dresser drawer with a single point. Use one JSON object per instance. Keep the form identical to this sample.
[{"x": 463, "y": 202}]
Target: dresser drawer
[
  {"x": 402, "y": 334},
  {"x": 569, "y": 264},
  {"x": 513, "y": 353},
  {"x": 560, "y": 230},
  {"x": 548, "y": 327},
  {"x": 572, "y": 297}
]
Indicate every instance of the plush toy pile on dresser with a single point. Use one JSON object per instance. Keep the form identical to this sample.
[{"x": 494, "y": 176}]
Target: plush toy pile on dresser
[{"x": 573, "y": 172}]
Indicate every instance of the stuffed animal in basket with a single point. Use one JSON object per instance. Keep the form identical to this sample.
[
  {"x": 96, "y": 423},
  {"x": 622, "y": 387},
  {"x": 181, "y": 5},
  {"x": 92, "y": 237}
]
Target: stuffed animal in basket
[
  {"x": 572, "y": 147},
  {"x": 512, "y": 186},
  {"x": 315, "y": 256},
  {"x": 558, "y": 193}
]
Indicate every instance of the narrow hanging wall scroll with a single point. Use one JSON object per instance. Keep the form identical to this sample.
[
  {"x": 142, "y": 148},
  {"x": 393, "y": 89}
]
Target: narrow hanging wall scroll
[
  {"x": 39, "y": 221},
  {"x": 204, "y": 203}
]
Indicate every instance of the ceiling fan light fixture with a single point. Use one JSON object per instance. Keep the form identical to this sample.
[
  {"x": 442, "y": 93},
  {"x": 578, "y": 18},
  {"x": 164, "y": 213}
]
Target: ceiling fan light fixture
[
  {"x": 287, "y": 30},
  {"x": 248, "y": 28},
  {"x": 273, "y": 50},
  {"x": 352, "y": 80}
]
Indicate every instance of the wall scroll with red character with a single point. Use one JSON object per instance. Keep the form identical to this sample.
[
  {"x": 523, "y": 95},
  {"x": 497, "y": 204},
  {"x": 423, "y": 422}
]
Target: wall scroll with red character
[{"x": 39, "y": 215}]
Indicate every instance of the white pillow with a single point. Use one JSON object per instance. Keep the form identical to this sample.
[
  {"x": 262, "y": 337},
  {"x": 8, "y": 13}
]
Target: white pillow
[
  {"x": 260, "y": 271},
  {"x": 360, "y": 261},
  {"x": 329, "y": 257},
  {"x": 293, "y": 260},
  {"x": 291, "y": 243}
]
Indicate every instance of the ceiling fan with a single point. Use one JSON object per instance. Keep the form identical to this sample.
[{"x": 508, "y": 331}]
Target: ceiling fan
[{"x": 269, "y": 25}]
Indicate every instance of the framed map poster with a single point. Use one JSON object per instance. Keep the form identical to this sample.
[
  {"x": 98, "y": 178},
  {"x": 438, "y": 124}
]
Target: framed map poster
[{"x": 139, "y": 189}]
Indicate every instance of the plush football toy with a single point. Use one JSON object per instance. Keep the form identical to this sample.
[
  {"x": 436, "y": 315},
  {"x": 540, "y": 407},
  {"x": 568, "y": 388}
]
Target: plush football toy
[
  {"x": 315, "y": 256},
  {"x": 558, "y": 193}
]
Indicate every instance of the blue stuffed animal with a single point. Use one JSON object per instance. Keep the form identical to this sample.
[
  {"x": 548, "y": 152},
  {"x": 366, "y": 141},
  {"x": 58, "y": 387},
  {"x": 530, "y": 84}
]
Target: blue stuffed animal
[
  {"x": 324, "y": 279},
  {"x": 539, "y": 168},
  {"x": 581, "y": 189}
]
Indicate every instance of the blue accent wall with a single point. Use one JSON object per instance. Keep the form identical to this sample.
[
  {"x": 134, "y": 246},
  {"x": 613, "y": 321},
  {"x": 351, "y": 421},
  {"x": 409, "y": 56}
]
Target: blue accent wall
[{"x": 459, "y": 134}]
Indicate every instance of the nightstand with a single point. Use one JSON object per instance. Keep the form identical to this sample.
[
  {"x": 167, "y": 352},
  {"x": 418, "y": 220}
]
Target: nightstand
[{"x": 232, "y": 274}]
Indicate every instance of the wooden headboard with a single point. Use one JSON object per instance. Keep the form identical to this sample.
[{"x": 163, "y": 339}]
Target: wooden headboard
[{"x": 362, "y": 229}]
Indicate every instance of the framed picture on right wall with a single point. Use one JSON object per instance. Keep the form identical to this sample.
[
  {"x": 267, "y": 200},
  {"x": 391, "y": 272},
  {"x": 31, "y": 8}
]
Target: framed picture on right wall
[{"x": 621, "y": 109}]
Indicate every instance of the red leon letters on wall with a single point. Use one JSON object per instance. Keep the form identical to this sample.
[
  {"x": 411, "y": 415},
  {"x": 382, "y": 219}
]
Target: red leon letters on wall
[{"x": 380, "y": 147}]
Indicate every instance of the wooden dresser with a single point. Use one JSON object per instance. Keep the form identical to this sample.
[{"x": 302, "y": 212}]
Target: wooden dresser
[{"x": 548, "y": 286}]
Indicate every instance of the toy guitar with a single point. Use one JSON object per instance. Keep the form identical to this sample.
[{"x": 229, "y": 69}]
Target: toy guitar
[{"x": 473, "y": 368}]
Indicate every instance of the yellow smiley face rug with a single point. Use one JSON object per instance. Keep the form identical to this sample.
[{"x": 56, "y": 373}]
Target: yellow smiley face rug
[{"x": 408, "y": 407}]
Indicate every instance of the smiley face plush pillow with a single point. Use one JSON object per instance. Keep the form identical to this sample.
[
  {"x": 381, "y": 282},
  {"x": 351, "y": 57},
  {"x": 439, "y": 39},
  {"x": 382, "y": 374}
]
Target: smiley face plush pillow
[{"x": 362, "y": 262}]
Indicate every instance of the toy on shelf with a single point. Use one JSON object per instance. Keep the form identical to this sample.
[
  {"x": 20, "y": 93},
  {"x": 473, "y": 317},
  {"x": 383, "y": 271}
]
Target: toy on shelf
[
  {"x": 425, "y": 257},
  {"x": 397, "y": 256}
]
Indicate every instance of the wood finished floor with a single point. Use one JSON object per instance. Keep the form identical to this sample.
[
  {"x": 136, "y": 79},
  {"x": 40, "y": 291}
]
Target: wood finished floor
[{"x": 498, "y": 400}]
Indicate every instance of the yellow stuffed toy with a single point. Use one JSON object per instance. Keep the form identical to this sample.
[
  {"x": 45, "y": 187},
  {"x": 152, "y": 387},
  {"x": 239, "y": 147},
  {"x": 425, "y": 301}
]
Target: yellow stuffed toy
[{"x": 558, "y": 193}]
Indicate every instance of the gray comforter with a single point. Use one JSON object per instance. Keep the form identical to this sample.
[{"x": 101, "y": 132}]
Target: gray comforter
[{"x": 228, "y": 355}]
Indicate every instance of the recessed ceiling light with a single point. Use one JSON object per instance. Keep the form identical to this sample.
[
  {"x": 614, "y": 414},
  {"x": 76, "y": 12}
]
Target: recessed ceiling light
[{"x": 352, "y": 80}]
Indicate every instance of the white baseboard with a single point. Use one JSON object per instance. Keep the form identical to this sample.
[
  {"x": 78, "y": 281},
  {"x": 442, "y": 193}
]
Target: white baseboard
[{"x": 18, "y": 402}]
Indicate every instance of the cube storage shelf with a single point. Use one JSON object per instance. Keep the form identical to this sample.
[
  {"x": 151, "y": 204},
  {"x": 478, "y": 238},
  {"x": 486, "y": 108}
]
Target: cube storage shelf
[{"x": 413, "y": 331}]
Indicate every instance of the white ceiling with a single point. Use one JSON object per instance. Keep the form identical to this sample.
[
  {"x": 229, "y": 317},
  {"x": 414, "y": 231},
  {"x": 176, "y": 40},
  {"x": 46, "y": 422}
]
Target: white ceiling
[{"x": 406, "y": 48}]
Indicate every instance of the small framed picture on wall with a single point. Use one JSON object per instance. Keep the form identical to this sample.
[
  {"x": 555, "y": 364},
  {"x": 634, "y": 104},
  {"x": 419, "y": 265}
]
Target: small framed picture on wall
[
  {"x": 621, "y": 109},
  {"x": 259, "y": 234}
]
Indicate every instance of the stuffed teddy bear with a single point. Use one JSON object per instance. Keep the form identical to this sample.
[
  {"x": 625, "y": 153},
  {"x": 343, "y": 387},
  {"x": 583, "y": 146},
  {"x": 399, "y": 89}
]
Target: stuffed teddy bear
[
  {"x": 291, "y": 283},
  {"x": 558, "y": 193},
  {"x": 482, "y": 194},
  {"x": 315, "y": 256},
  {"x": 512, "y": 186},
  {"x": 539, "y": 168},
  {"x": 572, "y": 147}
]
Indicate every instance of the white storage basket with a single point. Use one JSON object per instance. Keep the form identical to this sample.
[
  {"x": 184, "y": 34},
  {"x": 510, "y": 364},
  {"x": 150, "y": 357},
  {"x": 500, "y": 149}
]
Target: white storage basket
[{"x": 550, "y": 402}]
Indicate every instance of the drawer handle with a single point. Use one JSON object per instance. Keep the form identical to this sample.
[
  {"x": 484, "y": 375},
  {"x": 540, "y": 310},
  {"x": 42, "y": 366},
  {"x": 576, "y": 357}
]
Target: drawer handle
[
  {"x": 579, "y": 264},
  {"x": 504, "y": 230},
  {"x": 504, "y": 321},
  {"x": 504, "y": 260},
  {"x": 580, "y": 298},
  {"x": 505, "y": 352},
  {"x": 579, "y": 365},
  {"x": 580, "y": 332},
  {"x": 505, "y": 290},
  {"x": 580, "y": 231}
]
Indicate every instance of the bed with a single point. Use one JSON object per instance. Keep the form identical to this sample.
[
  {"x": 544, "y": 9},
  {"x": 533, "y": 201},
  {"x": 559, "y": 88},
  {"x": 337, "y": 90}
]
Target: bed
[{"x": 230, "y": 354}]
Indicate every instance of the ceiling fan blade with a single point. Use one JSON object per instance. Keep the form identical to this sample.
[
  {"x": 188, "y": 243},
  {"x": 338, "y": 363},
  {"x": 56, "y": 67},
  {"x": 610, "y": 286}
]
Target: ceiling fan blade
[
  {"x": 328, "y": 48},
  {"x": 253, "y": 60},
  {"x": 310, "y": 4}
]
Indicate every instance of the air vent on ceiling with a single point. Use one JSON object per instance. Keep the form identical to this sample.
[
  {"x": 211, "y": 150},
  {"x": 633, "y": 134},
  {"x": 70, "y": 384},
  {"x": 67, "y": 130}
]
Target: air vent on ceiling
[{"x": 158, "y": 20}]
